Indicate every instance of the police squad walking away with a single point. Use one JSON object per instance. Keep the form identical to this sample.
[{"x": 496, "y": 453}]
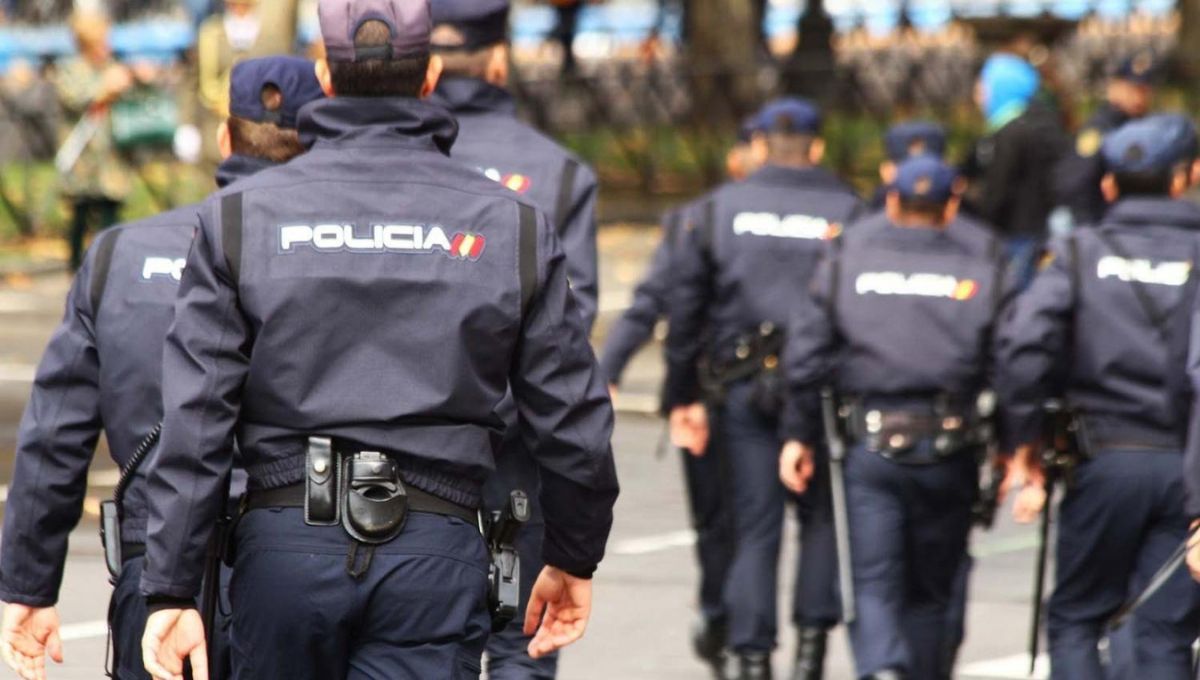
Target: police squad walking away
[
  {"x": 328, "y": 320},
  {"x": 103, "y": 371}
]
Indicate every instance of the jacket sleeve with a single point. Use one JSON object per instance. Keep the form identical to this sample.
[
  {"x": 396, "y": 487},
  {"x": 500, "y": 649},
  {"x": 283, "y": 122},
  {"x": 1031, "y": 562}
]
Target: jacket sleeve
[
  {"x": 1191, "y": 453},
  {"x": 636, "y": 325},
  {"x": 808, "y": 357},
  {"x": 577, "y": 233},
  {"x": 1030, "y": 343},
  {"x": 687, "y": 307},
  {"x": 205, "y": 361},
  {"x": 566, "y": 418},
  {"x": 55, "y": 445}
]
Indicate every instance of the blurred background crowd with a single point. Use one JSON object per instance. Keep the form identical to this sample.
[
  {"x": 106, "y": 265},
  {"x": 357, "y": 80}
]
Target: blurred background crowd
[{"x": 108, "y": 109}]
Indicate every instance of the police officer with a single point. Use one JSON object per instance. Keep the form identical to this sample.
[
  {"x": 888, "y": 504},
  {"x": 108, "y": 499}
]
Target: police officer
[
  {"x": 102, "y": 371},
  {"x": 899, "y": 325},
  {"x": 750, "y": 248},
  {"x": 1123, "y": 513},
  {"x": 901, "y": 142},
  {"x": 1127, "y": 96},
  {"x": 741, "y": 160},
  {"x": 470, "y": 36},
  {"x": 355, "y": 318}
]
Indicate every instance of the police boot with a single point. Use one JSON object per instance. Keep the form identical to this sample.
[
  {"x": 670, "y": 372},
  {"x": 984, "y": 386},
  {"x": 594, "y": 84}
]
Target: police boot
[
  {"x": 754, "y": 666},
  {"x": 810, "y": 654},
  {"x": 708, "y": 642}
]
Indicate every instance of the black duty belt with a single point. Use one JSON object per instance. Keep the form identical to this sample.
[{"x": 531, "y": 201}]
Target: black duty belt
[{"x": 292, "y": 496}]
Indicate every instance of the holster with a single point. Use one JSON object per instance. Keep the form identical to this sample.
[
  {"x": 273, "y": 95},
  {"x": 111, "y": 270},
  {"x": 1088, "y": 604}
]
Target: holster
[
  {"x": 756, "y": 358},
  {"x": 110, "y": 539},
  {"x": 373, "y": 499},
  {"x": 504, "y": 573}
]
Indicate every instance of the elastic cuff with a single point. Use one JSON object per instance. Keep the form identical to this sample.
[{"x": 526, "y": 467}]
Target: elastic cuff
[
  {"x": 27, "y": 600},
  {"x": 158, "y": 603}
]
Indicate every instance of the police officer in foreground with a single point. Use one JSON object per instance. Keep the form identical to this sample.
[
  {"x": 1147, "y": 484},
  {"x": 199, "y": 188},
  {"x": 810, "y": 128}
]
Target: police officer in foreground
[
  {"x": 1127, "y": 96},
  {"x": 1123, "y": 513},
  {"x": 355, "y": 318},
  {"x": 749, "y": 249},
  {"x": 471, "y": 36},
  {"x": 103, "y": 371},
  {"x": 899, "y": 327}
]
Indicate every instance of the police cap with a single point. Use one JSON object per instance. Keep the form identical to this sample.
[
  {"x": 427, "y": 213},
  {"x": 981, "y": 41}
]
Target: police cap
[
  {"x": 1139, "y": 68},
  {"x": 915, "y": 138},
  {"x": 925, "y": 178},
  {"x": 1151, "y": 144},
  {"x": 751, "y": 125},
  {"x": 790, "y": 115},
  {"x": 409, "y": 21},
  {"x": 469, "y": 24},
  {"x": 292, "y": 76}
]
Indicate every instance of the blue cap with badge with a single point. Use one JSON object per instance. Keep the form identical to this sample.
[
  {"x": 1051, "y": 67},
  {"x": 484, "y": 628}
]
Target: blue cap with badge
[
  {"x": 294, "y": 77},
  {"x": 925, "y": 178},
  {"x": 469, "y": 24},
  {"x": 1140, "y": 68},
  {"x": 915, "y": 138},
  {"x": 1151, "y": 144},
  {"x": 791, "y": 115}
]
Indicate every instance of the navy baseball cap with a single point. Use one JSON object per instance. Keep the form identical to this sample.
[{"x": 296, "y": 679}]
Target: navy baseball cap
[
  {"x": 1150, "y": 144},
  {"x": 469, "y": 24},
  {"x": 925, "y": 178},
  {"x": 410, "y": 23},
  {"x": 1139, "y": 68},
  {"x": 294, "y": 77},
  {"x": 751, "y": 125},
  {"x": 915, "y": 138},
  {"x": 791, "y": 115}
]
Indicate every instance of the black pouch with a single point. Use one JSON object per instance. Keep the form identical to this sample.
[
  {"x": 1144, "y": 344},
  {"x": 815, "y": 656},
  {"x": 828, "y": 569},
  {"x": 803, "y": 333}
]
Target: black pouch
[
  {"x": 374, "y": 499},
  {"x": 321, "y": 483},
  {"x": 768, "y": 389},
  {"x": 110, "y": 539}
]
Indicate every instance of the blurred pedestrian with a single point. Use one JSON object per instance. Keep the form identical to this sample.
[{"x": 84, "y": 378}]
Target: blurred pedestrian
[{"x": 96, "y": 179}]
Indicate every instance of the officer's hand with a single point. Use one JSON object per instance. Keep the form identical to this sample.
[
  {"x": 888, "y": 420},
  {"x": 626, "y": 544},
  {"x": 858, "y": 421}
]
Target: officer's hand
[
  {"x": 173, "y": 635},
  {"x": 27, "y": 635},
  {"x": 1193, "y": 554},
  {"x": 561, "y": 603},
  {"x": 689, "y": 428},
  {"x": 612, "y": 392},
  {"x": 1025, "y": 472},
  {"x": 795, "y": 466}
]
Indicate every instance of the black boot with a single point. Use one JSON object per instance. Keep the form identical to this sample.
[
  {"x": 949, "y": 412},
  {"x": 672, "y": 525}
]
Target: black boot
[
  {"x": 754, "y": 666},
  {"x": 810, "y": 654},
  {"x": 708, "y": 642}
]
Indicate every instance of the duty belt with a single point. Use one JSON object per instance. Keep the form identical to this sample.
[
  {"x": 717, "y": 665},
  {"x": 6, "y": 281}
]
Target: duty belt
[
  {"x": 292, "y": 496},
  {"x": 895, "y": 433}
]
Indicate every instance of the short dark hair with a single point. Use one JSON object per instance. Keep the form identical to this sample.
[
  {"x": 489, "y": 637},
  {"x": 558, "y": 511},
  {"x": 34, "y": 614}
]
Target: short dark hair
[
  {"x": 466, "y": 63},
  {"x": 924, "y": 208},
  {"x": 789, "y": 147},
  {"x": 265, "y": 140},
  {"x": 402, "y": 77},
  {"x": 1148, "y": 183}
]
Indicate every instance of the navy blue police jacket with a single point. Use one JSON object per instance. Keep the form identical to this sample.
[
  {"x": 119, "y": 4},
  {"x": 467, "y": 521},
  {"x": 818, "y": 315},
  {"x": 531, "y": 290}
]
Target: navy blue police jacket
[
  {"x": 1078, "y": 174},
  {"x": 1125, "y": 282},
  {"x": 493, "y": 140},
  {"x": 102, "y": 370},
  {"x": 373, "y": 290},
  {"x": 895, "y": 314},
  {"x": 649, "y": 304},
  {"x": 749, "y": 250}
]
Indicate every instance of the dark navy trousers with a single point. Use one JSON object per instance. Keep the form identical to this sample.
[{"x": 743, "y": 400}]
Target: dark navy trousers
[
  {"x": 751, "y": 444},
  {"x": 1119, "y": 522},
  {"x": 908, "y": 536},
  {"x": 419, "y": 612},
  {"x": 709, "y": 492}
]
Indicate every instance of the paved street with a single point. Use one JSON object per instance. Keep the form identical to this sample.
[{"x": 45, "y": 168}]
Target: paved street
[{"x": 644, "y": 590}]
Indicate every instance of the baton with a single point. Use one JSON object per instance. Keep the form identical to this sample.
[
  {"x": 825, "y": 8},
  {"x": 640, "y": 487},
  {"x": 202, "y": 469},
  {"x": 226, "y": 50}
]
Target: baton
[
  {"x": 841, "y": 519},
  {"x": 1164, "y": 574}
]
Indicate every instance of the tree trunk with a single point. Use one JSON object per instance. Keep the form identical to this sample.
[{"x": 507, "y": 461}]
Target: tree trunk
[
  {"x": 1188, "y": 58},
  {"x": 810, "y": 70},
  {"x": 721, "y": 47}
]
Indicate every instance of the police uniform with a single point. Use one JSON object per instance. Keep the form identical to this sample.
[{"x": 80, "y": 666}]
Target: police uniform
[
  {"x": 704, "y": 476},
  {"x": 899, "y": 324},
  {"x": 381, "y": 295},
  {"x": 492, "y": 140},
  {"x": 750, "y": 249},
  {"x": 103, "y": 371},
  {"x": 1123, "y": 512},
  {"x": 1079, "y": 173}
]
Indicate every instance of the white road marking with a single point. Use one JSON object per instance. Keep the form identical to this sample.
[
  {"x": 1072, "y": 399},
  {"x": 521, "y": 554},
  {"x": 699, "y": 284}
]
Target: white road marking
[
  {"x": 1007, "y": 668},
  {"x": 23, "y": 304},
  {"x": 656, "y": 543},
  {"x": 83, "y": 631},
  {"x": 22, "y": 373}
]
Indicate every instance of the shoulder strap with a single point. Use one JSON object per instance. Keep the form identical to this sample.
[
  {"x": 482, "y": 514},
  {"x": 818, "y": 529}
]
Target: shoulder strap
[
  {"x": 835, "y": 276},
  {"x": 231, "y": 233},
  {"x": 1076, "y": 275},
  {"x": 527, "y": 256},
  {"x": 100, "y": 269},
  {"x": 996, "y": 255},
  {"x": 566, "y": 190},
  {"x": 708, "y": 227},
  {"x": 1157, "y": 319}
]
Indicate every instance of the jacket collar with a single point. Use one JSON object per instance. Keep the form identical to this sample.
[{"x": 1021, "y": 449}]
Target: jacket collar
[
  {"x": 469, "y": 95},
  {"x": 239, "y": 167},
  {"x": 375, "y": 121},
  {"x": 1153, "y": 211},
  {"x": 778, "y": 175}
]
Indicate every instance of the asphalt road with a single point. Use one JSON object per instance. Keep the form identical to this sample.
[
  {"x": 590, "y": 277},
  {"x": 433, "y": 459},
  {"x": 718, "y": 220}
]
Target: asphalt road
[{"x": 644, "y": 598}]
